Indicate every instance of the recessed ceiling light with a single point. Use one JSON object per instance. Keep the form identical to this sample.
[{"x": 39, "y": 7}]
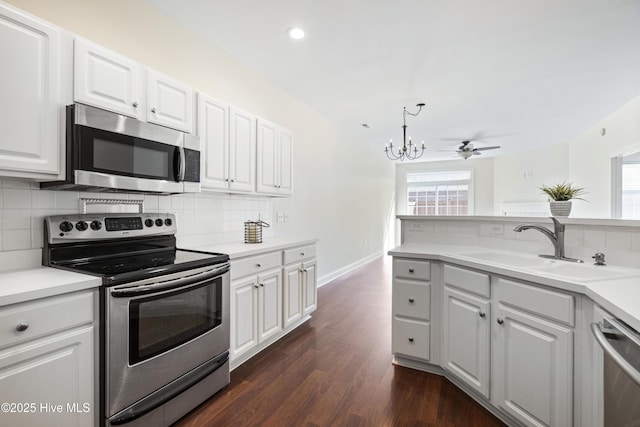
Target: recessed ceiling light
[{"x": 296, "y": 33}]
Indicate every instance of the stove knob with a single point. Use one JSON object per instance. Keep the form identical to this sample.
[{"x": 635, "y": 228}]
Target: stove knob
[
  {"x": 159, "y": 222},
  {"x": 81, "y": 225},
  {"x": 66, "y": 226},
  {"x": 96, "y": 225},
  {"x": 148, "y": 222},
  {"x": 168, "y": 222}
]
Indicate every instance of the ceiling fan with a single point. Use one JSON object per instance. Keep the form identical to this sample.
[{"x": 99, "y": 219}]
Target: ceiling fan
[{"x": 466, "y": 150}]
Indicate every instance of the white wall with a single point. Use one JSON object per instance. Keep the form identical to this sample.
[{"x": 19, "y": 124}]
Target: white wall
[
  {"x": 518, "y": 177},
  {"x": 342, "y": 187},
  {"x": 590, "y": 157}
]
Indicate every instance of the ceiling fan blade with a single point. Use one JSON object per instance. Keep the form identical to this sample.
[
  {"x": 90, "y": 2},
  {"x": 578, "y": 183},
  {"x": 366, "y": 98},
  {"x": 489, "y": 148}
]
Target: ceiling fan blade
[{"x": 486, "y": 148}]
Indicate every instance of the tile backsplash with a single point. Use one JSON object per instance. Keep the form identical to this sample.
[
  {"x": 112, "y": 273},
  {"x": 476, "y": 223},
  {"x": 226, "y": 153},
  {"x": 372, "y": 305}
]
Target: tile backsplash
[
  {"x": 621, "y": 244},
  {"x": 219, "y": 216}
]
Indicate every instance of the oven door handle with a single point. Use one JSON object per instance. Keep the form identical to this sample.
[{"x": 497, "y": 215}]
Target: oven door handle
[
  {"x": 613, "y": 353},
  {"x": 167, "y": 285}
]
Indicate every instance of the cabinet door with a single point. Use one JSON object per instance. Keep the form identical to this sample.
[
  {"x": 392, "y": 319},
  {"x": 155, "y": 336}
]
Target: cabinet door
[
  {"x": 244, "y": 321},
  {"x": 55, "y": 376},
  {"x": 533, "y": 368},
  {"x": 285, "y": 186},
  {"x": 169, "y": 102},
  {"x": 213, "y": 129},
  {"x": 270, "y": 309},
  {"x": 292, "y": 290},
  {"x": 466, "y": 338},
  {"x": 268, "y": 152},
  {"x": 105, "y": 79},
  {"x": 310, "y": 287},
  {"x": 30, "y": 82},
  {"x": 242, "y": 150}
]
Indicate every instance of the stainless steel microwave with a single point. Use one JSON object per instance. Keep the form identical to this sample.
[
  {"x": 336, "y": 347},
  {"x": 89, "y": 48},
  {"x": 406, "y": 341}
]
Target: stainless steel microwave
[{"x": 106, "y": 151}]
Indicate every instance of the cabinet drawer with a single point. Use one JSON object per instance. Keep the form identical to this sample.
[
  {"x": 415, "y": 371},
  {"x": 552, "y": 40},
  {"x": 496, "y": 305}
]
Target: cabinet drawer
[
  {"x": 541, "y": 301},
  {"x": 470, "y": 281},
  {"x": 255, "y": 264},
  {"x": 44, "y": 316},
  {"x": 411, "y": 269},
  {"x": 412, "y": 299},
  {"x": 299, "y": 254},
  {"x": 411, "y": 338}
]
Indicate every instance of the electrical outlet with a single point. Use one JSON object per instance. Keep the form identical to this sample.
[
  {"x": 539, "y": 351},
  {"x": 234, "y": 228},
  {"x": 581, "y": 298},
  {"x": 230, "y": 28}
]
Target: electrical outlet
[
  {"x": 280, "y": 216},
  {"x": 285, "y": 217}
]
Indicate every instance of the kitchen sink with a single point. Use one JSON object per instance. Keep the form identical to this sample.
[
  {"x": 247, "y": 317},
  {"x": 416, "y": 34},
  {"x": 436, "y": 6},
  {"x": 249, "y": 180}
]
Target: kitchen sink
[
  {"x": 509, "y": 259},
  {"x": 583, "y": 272}
]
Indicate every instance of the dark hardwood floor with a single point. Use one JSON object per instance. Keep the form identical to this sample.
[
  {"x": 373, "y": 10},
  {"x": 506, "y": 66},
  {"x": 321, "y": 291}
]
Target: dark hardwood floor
[{"x": 336, "y": 371}]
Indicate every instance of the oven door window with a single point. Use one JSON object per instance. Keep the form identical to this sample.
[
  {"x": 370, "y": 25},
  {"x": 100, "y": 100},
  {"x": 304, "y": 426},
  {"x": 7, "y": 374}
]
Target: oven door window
[
  {"x": 163, "y": 322},
  {"x": 118, "y": 154}
]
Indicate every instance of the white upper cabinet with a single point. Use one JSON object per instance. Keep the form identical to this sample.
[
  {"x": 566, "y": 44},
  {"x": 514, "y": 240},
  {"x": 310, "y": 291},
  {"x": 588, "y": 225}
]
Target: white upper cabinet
[
  {"x": 242, "y": 150},
  {"x": 30, "y": 105},
  {"x": 108, "y": 80},
  {"x": 275, "y": 159},
  {"x": 213, "y": 129},
  {"x": 105, "y": 79},
  {"x": 169, "y": 102}
]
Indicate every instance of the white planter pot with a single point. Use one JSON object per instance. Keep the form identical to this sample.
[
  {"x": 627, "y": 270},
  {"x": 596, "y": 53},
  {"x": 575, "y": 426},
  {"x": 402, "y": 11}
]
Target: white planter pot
[{"x": 562, "y": 208}]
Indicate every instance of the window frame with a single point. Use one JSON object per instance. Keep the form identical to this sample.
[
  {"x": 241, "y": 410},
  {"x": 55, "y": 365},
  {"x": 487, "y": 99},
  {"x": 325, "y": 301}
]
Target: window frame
[{"x": 469, "y": 182}]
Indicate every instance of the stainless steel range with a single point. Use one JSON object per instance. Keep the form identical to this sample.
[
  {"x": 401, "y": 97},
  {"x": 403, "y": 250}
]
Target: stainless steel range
[{"x": 164, "y": 321}]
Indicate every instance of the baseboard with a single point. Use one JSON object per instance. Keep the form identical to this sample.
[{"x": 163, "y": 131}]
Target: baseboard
[{"x": 348, "y": 268}]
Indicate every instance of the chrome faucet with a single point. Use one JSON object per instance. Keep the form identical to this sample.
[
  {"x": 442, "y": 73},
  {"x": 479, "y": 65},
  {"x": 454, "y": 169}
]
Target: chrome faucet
[{"x": 556, "y": 236}]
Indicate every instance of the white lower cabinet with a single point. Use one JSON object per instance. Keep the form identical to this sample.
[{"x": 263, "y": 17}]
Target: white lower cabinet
[
  {"x": 256, "y": 309},
  {"x": 271, "y": 294},
  {"x": 533, "y": 355},
  {"x": 509, "y": 343},
  {"x": 411, "y": 306},
  {"x": 47, "y": 362}
]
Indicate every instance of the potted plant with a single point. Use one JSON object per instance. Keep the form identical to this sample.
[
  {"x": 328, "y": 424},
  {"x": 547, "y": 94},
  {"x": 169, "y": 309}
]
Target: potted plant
[{"x": 560, "y": 196}]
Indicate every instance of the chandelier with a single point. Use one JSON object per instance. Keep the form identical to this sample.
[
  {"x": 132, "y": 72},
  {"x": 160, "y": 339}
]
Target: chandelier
[{"x": 407, "y": 151}]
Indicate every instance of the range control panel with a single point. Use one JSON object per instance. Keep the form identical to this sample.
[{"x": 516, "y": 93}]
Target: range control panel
[{"x": 61, "y": 228}]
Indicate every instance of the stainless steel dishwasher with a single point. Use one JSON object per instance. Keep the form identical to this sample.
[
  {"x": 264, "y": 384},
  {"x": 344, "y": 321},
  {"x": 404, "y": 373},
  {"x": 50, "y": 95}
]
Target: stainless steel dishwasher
[{"x": 621, "y": 347}]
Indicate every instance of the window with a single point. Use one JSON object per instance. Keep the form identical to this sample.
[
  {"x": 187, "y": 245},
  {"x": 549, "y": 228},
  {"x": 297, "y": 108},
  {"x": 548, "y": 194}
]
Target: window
[
  {"x": 439, "y": 193},
  {"x": 626, "y": 186}
]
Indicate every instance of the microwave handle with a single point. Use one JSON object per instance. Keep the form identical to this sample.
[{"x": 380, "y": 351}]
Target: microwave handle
[{"x": 181, "y": 164}]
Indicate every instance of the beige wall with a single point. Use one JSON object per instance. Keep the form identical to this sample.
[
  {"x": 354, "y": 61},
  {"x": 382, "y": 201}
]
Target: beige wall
[{"x": 342, "y": 187}]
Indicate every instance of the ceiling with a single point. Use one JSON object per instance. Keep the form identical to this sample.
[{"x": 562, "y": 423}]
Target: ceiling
[{"x": 513, "y": 73}]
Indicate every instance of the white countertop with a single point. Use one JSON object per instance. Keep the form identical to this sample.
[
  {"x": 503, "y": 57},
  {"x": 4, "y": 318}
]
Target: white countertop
[
  {"x": 240, "y": 249},
  {"x": 40, "y": 282},
  {"x": 620, "y": 297}
]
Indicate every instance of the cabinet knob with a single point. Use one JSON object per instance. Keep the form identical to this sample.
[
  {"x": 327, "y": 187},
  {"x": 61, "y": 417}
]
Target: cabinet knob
[
  {"x": 22, "y": 326},
  {"x": 262, "y": 285},
  {"x": 256, "y": 286},
  {"x": 301, "y": 253},
  {"x": 258, "y": 265},
  {"x": 135, "y": 104},
  {"x": 411, "y": 300},
  {"x": 410, "y": 339},
  {"x": 411, "y": 270},
  {"x": 481, "y": 314},
  {"x": 153, "y": 110},
  {"x": 500, "y": 321}
]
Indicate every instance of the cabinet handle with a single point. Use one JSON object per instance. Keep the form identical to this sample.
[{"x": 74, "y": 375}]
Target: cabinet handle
[
  {"x": 226, "y": 179},
  {"x": 262, "y": 285},
  {"x": 500, "y": 321},
  {"x": 411, "y": 270},
  {"x": 153, "y": 110},
  {"x": 22, "y": 326},
  {"x": 410, "y": 339},
  {"x": 481, "y": 314},
  {"x": 411, "y": 300},
  {"x": 135, "y": 104},
  {"x": 258, "y": 265},
  {"x": 256, "y": 286},
  {"x": 301, "y": 253}
]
